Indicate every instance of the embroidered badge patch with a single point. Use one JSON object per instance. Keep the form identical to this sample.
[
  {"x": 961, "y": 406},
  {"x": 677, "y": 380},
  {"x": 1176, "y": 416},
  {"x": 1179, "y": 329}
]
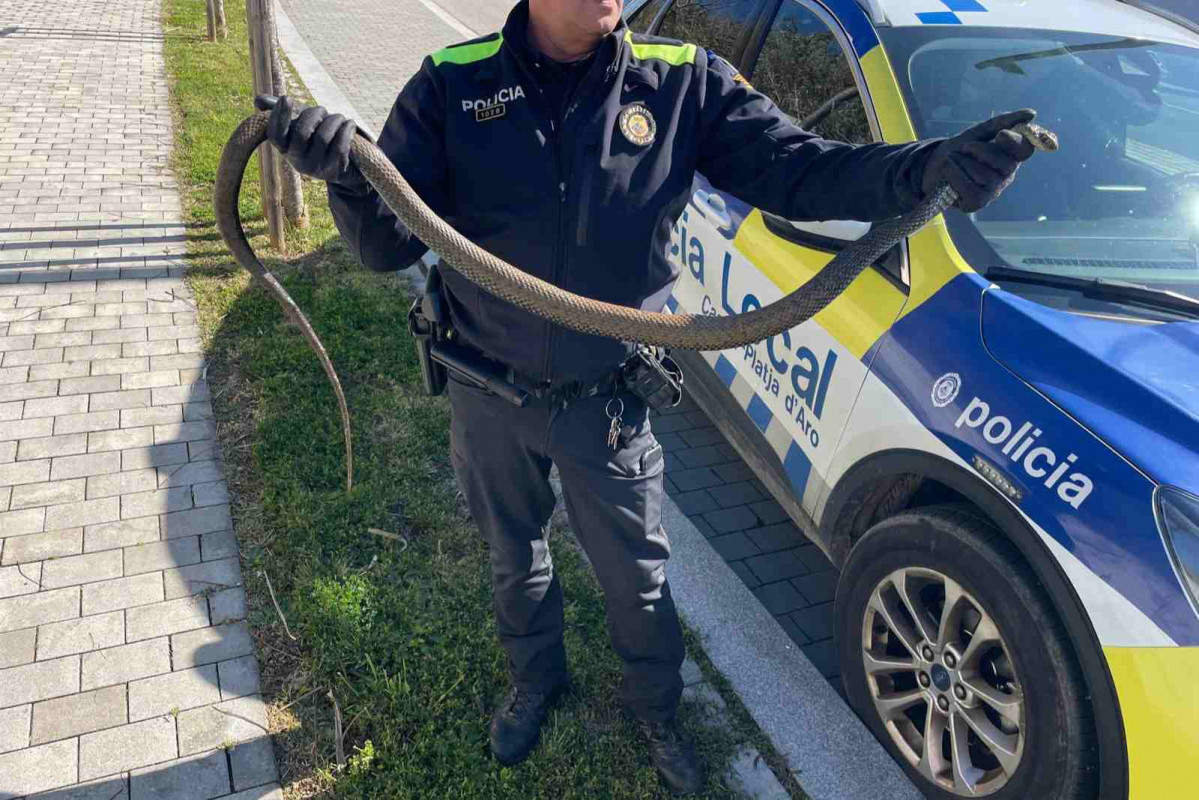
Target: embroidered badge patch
[{"x": 638, "y": 126}]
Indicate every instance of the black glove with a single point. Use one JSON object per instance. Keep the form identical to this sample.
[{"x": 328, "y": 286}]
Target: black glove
[
  {"x": 315, "y": 142},
  {"x": 979, "y": 162}
]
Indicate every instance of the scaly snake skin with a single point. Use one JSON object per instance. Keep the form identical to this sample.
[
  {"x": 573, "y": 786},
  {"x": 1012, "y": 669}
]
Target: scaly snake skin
[{"x": 684, "y": 331}]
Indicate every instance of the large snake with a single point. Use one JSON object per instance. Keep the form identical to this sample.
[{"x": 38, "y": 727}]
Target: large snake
[{"x": 684, "y": 331}]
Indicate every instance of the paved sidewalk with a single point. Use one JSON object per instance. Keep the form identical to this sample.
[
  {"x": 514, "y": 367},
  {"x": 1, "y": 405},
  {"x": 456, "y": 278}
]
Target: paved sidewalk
[{"x": 125, "y": 661}]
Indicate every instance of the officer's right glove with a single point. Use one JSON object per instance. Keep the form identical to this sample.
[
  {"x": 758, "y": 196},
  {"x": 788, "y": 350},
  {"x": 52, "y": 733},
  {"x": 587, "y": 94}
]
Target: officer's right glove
[
  {"x": 980, "y": 162},
  {"x": 315, "y": 142}
]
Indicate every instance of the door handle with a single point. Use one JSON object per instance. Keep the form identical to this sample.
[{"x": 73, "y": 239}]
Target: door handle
[{"x": 713, "y": 207}]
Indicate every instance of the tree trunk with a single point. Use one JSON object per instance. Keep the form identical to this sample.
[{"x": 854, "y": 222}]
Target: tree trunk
[
  {"x": 260, "y": 62},
  {"x": 222, "y": 26},
  {"x": 291, "y": 189},
  {"x": 210, "y": 13}
]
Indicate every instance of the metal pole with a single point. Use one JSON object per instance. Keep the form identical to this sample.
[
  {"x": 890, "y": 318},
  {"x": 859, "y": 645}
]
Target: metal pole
[
  {"x": 260, "y": 62},
  {"x": 291, "y": 189}
]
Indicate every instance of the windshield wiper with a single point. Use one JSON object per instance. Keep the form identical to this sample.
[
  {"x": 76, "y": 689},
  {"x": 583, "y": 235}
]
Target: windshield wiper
[{"x": 1100, "y": 289}]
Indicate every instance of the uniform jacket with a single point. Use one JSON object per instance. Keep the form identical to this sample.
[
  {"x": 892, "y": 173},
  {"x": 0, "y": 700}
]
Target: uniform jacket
[{"x": 579, "y": 204}]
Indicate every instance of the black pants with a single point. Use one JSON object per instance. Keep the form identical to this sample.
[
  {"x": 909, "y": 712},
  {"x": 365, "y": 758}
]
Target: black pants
[{"x": 502, "y": 456}]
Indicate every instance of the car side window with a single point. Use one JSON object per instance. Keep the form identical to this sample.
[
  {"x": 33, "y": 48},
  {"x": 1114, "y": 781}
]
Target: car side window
[
  {"x": 716, "y": 25},
  {"x": 803, "y": 69},
  {"x": 643, "y": 17}
]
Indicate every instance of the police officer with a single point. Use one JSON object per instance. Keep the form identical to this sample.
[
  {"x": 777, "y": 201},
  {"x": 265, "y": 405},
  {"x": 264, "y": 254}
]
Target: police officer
[{"x": 567, "y": 145}]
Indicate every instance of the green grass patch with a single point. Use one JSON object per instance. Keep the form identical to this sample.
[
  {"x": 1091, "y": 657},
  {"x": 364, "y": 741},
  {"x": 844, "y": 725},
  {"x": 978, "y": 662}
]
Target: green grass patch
[{"x": 401, "y": 636}]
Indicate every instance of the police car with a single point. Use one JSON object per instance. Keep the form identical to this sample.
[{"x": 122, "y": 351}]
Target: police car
[{"x": 995, "y": 432}]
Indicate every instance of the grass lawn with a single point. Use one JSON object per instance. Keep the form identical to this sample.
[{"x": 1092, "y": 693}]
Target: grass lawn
[{"x": 401, "y": 636}]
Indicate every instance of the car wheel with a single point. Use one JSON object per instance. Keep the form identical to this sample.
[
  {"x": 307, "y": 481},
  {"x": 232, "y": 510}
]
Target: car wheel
[{"x": 954, "y": 658}]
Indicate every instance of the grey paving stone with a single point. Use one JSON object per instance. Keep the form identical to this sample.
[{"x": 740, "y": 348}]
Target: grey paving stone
[
  {"x": 228, "y": 605},
  {"x": 59, "y": 371},
  {"x": 206, "y": 577},
  {"x": 190, "y": 473},
  {"x": 239, "y": 677},
  {"x": 813, "y": 558},
  {"x": 41, "y": 680},
  {"x": 20, "y": 579},
  {"x": 769, "y": 512},
  {"x": 114, "y": 750},
  {"x": 126, "y": 663},
  {"x": 210, "y": 494},
  {"x": 31, "y": 495},
  {"x": 700, "y": 456},
  {"x": 671, "y": 424},
  {"x": 126, "y": 533},
  {"x": 124, "y": 439},
  {"x": 232, "y": 721},
  {"x": 696, "y": 502},
  {"x": 133, "y": 481},
  {"x": 218, "y": 545},
  {"x": 17, "y": 647},
  {"x": 122, "y": 593},
  {"x": 733, "y": 546},
  {"x": 192, "y": 778},
  {"x": 164, "y": 555},
  {"x": 41, "y": 546},
  {"x": 815, "y": 621},
  {"x": 690, "y": 673},
  {"x": 776, "y": 566},
  {"x": 819, "y": 587},
  {"x": 21, "y": 472},
  {"x": 36, "y": 769},
  {"x": 794, "y": 631},
  {"x": 8, "y": 452},
  {"x": 702, "y": 437},
  {"x": 87, "y": 568},
  {"x": 690, "y": 479},
  {"x": 26, "y": 429},
  {"x": 55, "y": 406},
  {"x": 735, "y": 494},
  {"x": 80, "y": 635},
  {"x": 736, "y": 472},
  {"x": 120, "y": 366},
  {"x": 780, "y": 597},
  {"x": 743, "y": 572},
  {"x": 181, "y": 395},
  {"x": 728, "y": 520},
  {"x": 28, "y": 390},
  {"x": 86, "y": 423},
  {"x": 198, "y": 412},
  {"x": 88, "y": 512},
  {"x": 253, "y": 763},
  {"x": 823, "y": 655},
  {"x": 28, "y": 611},
  {"x": 203, "y": 451},
  {"x": 14, "y": 728},
  {"x": 195, "y": 522},
  {"x": 150, "y": 380},
  {"x": 268, "y": 792},
  {"x": 710, "y": 704},
  {"x": 162, "y": 619},
  {"x": 158, "y": 456},
  {"x": 748, "y": 773},
  {"x": 139, "y": 417},
  {"x": 782, "y": 536},
  {"x": 120, "y": 400},
  {"x": 161, "y": 501},
  {"x": 209, "y": 645},
  {"x": 184, "y": 432},
  {"x": 111, "y": 788},
  {"x": 175, "y": 691},
  {"x": 69, "y": 716}
]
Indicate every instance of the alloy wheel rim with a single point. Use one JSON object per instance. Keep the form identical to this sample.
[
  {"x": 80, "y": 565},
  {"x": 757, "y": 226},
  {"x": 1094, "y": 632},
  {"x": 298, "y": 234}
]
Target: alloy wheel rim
[{"x": 941, "y": 677}]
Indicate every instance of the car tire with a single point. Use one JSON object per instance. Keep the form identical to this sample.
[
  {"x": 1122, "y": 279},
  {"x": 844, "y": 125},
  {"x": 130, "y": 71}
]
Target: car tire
[{"x": 1015, "y": 703}]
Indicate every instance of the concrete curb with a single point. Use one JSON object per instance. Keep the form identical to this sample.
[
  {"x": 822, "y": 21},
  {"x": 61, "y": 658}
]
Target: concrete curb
[{"x": 831, "y": 753}]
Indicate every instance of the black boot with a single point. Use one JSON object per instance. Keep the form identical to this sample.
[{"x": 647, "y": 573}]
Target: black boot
[
  {"x": 516, "y": 724},
  {"x": 673, "y": 754}
]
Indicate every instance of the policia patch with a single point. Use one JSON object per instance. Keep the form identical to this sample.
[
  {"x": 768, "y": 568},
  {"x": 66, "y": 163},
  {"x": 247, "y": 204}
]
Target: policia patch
[{"x": 638, "y": 126}]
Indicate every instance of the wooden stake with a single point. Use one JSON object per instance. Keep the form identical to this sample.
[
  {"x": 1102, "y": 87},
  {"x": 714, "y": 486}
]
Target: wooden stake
[
  {"x": 210, "y": 13},
  {"x": 291, "y": 189},
  {"x": 260, "y": 63},
  {"x": 222, "y": 26}
]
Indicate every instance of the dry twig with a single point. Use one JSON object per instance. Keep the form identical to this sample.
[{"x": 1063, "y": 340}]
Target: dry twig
[{"x": 271, "y": 589}]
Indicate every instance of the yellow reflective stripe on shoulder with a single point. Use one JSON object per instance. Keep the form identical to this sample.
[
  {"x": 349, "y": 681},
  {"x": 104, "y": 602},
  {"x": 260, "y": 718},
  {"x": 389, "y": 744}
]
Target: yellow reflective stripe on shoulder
[
  {"x": 674, "y": 54},
  {"x": 468, "y": 53}
]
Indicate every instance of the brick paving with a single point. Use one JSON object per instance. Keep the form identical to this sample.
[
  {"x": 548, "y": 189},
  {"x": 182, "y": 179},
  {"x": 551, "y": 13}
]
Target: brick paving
[{"x": 125, "y": 661}]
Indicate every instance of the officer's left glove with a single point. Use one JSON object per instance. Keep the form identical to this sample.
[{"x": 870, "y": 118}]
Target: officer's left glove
[
  {"x": 980, "y": 162},
  {"x": 315, "y": 142}
]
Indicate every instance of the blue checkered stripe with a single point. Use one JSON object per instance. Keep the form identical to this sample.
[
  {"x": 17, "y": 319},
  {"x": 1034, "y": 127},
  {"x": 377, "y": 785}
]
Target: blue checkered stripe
[
  {"x": 951, "y": 17},
  {"x": 796, "y": 464}
]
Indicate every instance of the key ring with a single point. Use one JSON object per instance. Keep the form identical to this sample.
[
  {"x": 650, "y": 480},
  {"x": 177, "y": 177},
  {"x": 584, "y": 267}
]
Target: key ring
[{"x": 618, "y": 414}]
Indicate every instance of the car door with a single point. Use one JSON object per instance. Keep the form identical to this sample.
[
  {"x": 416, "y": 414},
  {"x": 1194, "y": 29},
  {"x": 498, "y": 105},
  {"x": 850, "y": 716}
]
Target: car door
[{"x": 798, "y": 388}]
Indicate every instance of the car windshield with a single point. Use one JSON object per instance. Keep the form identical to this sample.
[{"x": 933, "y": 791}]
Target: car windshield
[{"x": 1120, "y": 200}]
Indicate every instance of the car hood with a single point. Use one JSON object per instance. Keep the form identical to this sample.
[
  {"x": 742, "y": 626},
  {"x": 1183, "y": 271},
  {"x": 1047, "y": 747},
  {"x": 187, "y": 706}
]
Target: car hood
[{"x": 1134, "y": 385}]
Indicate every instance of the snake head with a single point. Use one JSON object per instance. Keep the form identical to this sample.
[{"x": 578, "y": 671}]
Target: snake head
[{"x": 1039, "y": 137}]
